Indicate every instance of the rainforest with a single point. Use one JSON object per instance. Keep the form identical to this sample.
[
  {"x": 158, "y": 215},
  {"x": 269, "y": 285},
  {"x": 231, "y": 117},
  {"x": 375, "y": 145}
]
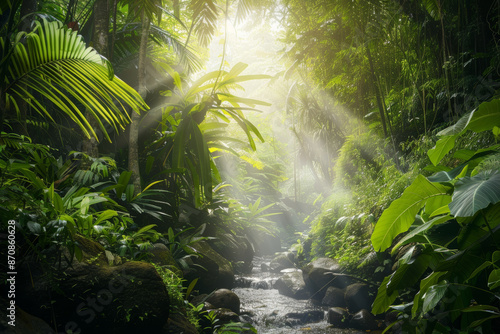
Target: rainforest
[{"x": 249, "y": 166}]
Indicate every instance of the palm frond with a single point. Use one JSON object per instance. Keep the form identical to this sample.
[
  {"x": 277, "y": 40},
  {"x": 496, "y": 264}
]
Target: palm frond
[
  {"x": 205, "y": 14},
  {"x": 56, "y": 64}
]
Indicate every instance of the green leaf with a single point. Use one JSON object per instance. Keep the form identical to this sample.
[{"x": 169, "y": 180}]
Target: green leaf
[
  {"x": 408, "y": 273},
  {"x": 434, "y": 295},
  {"x": 444, "y": 145},
  {"x": 475, "y": 193},
  {"x": 425, "y": 284},
  {"x": 401, "y": 213},
  {"x": 421, "y": 229},
  {"x": 105, "y": 215},
  {"x": 485, "y": 117},
  {"x": 383, "y": 299},
  {"x": 494, "y": 279}
]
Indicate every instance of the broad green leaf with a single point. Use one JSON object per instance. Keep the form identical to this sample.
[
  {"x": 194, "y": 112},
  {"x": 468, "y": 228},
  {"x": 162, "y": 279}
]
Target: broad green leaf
[
  {"x": 145, "y": 229},
  {"x": 495, "y": 257},
  {"x": 383, "y": 300},
  {"x": 425, "y": 284},
  {"x": 494, "y": 279},
  {"x": 408, "y": 273},
  {"x": 436, "y": 203},
  {"x": 444, "y": 145},
  {"x": 434, "y": 295},
  {"x": 421, "y": 229},
  {"x": 485, "y": 117},
  {"x": 401, "y": 213},
  {"x": 105, "y": 215},
  {"x": 475, "y": 193},
  {"x": 483, "y": 266}
]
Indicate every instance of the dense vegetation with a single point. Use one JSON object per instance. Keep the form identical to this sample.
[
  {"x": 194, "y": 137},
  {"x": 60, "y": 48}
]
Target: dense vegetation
[{"x": 111, "y": 128}]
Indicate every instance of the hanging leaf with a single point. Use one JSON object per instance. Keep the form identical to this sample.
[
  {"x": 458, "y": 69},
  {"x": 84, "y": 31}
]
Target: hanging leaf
[
  {"x": 401, "y": 213},
  {"x": 475, "y": 193},
  {"x": 383, "y": 299},
  {"x": 434, "y": 295},
  {"x": 425, "y": 284}
]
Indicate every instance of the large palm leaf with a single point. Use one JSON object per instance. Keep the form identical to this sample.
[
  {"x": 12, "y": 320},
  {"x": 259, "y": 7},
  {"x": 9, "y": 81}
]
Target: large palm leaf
[{"x": 55, "y": 63}]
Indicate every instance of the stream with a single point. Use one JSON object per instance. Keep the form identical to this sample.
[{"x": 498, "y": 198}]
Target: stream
[{"x": 272, "y": 313}]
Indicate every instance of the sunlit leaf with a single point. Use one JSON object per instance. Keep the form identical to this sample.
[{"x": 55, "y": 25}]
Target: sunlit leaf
[
  {"x": 401, "y": 213},
  {"x": 475, "y": 193}
]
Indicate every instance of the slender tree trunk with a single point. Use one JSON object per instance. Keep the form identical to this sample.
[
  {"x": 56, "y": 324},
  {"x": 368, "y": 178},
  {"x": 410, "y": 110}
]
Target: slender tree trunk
[
  {"x": 100, "y": 41},
  {"x": 377, "y": 92},
  {"x": 27, "y": 7},
  {"x": 133, "y": 152}
]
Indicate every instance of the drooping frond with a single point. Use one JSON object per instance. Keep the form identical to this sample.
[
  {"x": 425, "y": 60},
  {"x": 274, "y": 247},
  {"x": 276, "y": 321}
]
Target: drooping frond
[
  {"x": 56, "y": 64},
  {"x": 205, "y": 14}
]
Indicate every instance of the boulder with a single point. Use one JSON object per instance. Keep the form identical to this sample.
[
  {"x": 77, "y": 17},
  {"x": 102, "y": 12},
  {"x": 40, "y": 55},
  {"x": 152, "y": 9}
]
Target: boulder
[
  {"x": 357, "y": 297},
  {"x": 226, "y": 299},
  {"x": 242, "y": 268},
  {"x": 317, "y": 276},
  {"x": 213, "y": 271},
  {"x": 338, "y": 317},
  {"x": 24, "y": 322},
  {"x": 91, "y": 296},
  {"x": 292, "y": 285},
  {"x": 233, "y": 247},
  {"x": 334, "y": 297},
  {"x": 263, "y": 242},
  {"x": 364, "y": 320},
  {"x": 161, "y": 255},
  {"x": 282, "y": 261}
]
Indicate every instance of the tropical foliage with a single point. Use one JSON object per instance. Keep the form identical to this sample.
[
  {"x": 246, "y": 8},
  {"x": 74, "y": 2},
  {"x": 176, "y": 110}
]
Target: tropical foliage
[{"x": 450, "y": 252}]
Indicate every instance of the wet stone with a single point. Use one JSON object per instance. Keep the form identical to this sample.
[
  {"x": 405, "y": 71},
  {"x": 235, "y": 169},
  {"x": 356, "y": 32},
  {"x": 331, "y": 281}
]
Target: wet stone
[
  {"x": 364, "y": 320},
  {"x": 338, "y": 317}
]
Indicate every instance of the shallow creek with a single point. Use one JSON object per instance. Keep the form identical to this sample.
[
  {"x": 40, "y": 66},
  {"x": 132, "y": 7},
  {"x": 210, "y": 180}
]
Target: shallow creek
[{"x": 272, "y": 313}]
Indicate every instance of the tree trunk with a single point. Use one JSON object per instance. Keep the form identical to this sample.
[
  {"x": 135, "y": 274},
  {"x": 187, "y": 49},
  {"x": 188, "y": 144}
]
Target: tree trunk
[
  {"x": 27, "y": 7},
  {"x": 100, "y": 43},
  {"x": 377, "y": 92},
  {"x": 133, "y": 152}
]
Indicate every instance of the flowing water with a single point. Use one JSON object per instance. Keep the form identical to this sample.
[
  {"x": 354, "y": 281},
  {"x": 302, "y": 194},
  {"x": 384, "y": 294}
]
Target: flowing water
[{"x": 272, "y": 313}]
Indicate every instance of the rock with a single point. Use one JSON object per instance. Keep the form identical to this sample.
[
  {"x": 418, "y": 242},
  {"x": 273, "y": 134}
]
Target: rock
[
  {"x": 281, "y": 261},
  {"x": 317, "y": 275},
  {"x": 113, "y": 259},
  {"x": 224, "y": 298},
  {"x": 292, "y": 285},
  {"x": 357, "y": 297},
  {"x": 242, "y": 282},
  {"x": 263, "y": 243},
  {"x": 340, "y": 281},
  {"x": 161, "y": 255},
  {"x": 306, "y": 317},
  {"x": 24, "y": 322},
  {"x": 334, "y": 297},
  {"x": 264, "y": 285},
  {"x": 364, "y": 320},
  {"x": 242, "y": 268},
  {"x": 338, "y": 317},
  {"x": 217, "y": 272},
  {"x": 265, "y": 267},
  {"x": 233, "y": 247},
  {"x": 93, "y": 297}
]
